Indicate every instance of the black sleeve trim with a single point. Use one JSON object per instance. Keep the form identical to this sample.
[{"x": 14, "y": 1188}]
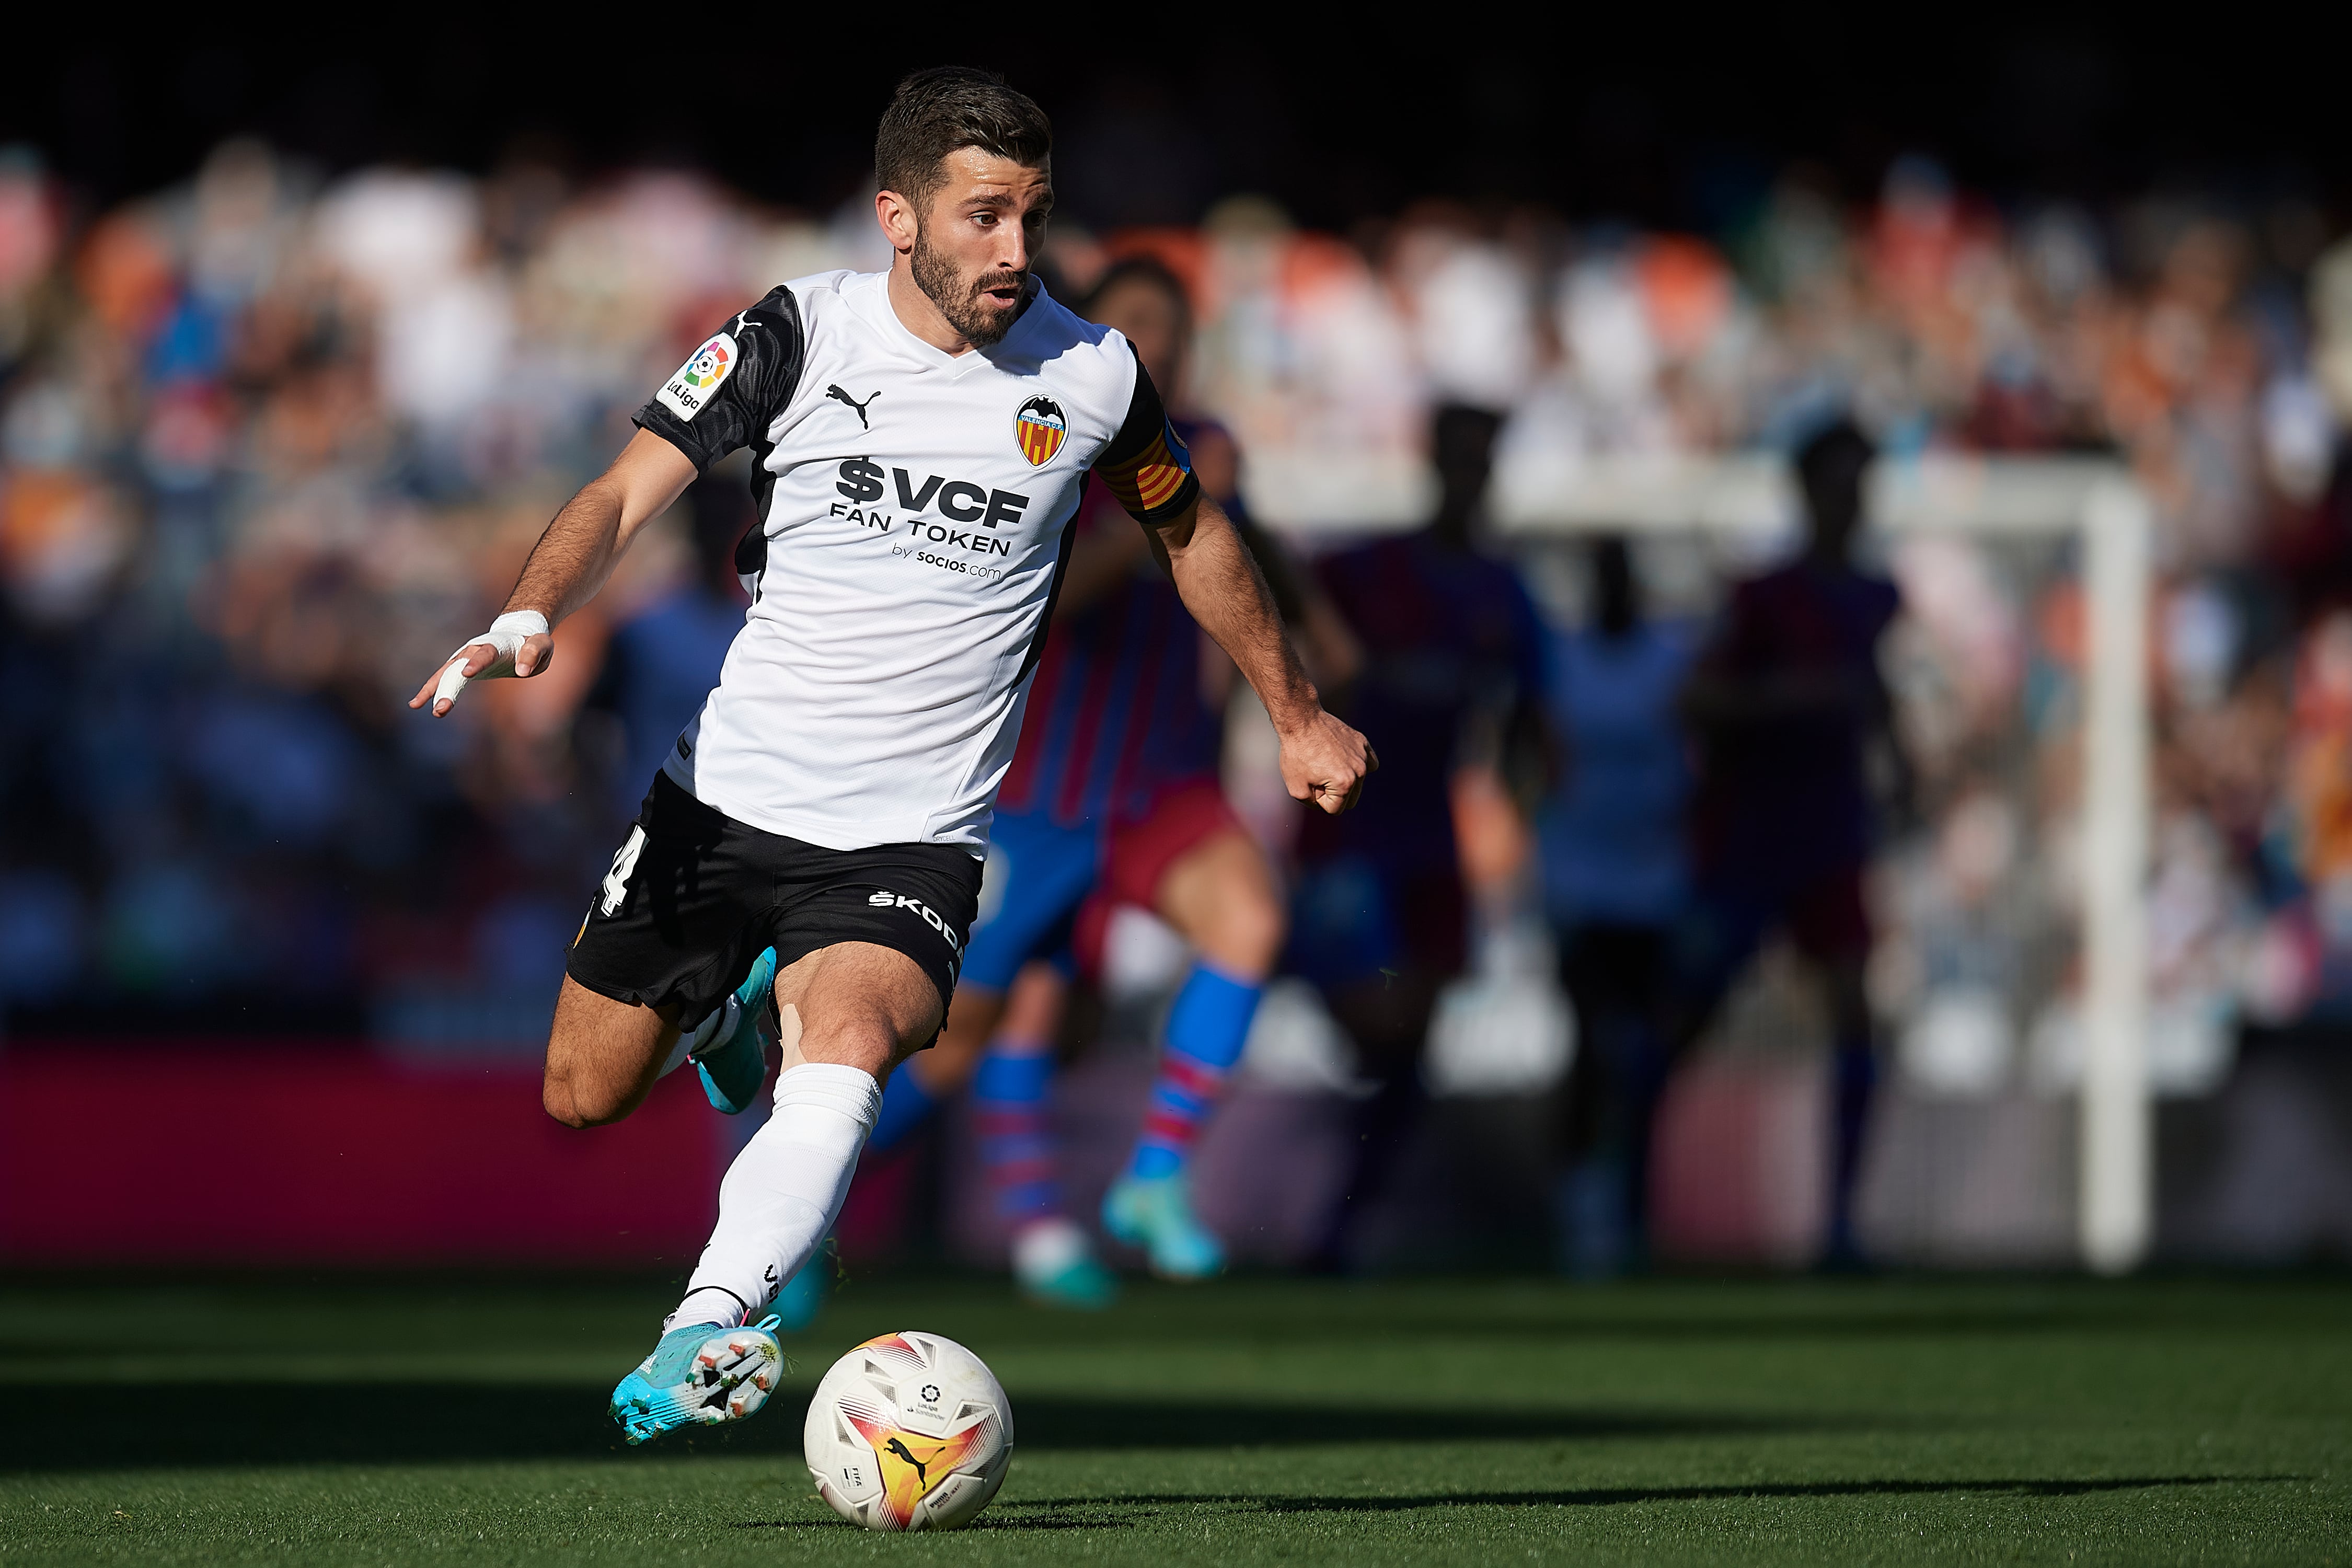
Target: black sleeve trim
[
  {"x": 1146, "y": 466},
  {"x": 767, "y": 348}
]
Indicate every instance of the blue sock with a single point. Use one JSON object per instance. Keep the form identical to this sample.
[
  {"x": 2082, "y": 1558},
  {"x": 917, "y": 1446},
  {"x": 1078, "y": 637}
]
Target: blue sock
[
  {"x": 1206, "y": 1030},
  {"x": 1016, "y": 1142},
  {"x": 906, "y": 1104}
]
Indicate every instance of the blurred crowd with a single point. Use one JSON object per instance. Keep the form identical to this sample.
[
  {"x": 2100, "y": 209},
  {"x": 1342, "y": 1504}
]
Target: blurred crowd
[{"x": 271, "y": 442}]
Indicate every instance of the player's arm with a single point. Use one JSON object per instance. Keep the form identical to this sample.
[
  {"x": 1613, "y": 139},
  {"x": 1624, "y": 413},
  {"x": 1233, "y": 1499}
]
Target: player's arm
[
  {"x": 1323, "y": 759},
  {"x": 1325, "y": 642},
  {"x": 728, "y": 392},
  {"x": 1147, "y": 467},
  {"x": 569, "y": 565},
  {"x": 1898, "y": 774}
]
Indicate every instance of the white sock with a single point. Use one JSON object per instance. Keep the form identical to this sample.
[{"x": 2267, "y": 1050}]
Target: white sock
[
  {"x": 783, "y": 1191},
  {"x": 716, "y": 1026},
  {"x": 708, "y": 1305}
]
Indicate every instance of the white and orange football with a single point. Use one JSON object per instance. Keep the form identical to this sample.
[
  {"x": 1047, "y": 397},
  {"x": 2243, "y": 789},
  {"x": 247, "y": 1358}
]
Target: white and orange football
[{"x": 909, "y": 1431}]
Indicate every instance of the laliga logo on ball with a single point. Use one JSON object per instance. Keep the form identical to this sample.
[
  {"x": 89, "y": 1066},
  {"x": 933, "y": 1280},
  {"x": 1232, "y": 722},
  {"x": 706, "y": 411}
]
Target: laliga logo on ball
[{"x": 909, "y": 1431}]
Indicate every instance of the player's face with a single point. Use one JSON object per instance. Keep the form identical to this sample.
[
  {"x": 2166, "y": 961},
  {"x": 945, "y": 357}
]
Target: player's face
[
  {"x": 1153, "y": 322},
  {"x": 975, "y": 243}
]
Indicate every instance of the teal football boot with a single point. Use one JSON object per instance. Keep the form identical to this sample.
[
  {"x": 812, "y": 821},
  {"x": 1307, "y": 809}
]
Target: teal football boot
[
  {"x": 1055, "y": 1266},
  {"x": 1155, "y": 1214},
  {"x": 734, "y": 1066},
  {"x": 698, "y": 1375}
]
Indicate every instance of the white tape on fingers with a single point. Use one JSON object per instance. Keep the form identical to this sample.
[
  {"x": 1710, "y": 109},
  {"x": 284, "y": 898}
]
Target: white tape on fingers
[{"x": 506, "y": 635}]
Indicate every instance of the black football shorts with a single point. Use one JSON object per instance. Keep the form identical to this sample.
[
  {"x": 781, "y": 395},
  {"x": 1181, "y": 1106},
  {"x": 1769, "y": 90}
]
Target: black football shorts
[{"x": 694, "y": 895}]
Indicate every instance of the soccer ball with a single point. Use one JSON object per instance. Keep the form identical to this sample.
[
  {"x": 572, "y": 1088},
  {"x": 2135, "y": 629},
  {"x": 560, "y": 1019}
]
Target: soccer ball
[{"x": 909, "y": 1431}]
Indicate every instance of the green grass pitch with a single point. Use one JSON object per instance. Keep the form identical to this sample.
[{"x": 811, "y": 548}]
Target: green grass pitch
[{"x": 1897, "y": 1421}]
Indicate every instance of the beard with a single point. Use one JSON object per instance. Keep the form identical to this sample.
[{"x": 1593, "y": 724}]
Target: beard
[{"x": 980, "y": 321}]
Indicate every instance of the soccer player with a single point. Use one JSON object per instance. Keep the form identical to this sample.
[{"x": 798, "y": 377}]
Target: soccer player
[
  {"x": 921, "y": 439},
  {"x": 1381, "y": 915},
  {"x": 1616, "y": 878},
  {"x": 1789, "y": 707},
  {"x": 659, "y": 665},
  {"x": 1113, "y": 797}
]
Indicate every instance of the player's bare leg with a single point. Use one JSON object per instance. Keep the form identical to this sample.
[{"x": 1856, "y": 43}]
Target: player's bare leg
[
  {"x": 603, "y": 1056},
  {"x": 1220, "y": 895},
  {"x": 850, "y": 1012}
]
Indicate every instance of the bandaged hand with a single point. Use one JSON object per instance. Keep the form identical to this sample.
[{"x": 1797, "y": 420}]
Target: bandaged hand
[{"x": 504, "y": 642}]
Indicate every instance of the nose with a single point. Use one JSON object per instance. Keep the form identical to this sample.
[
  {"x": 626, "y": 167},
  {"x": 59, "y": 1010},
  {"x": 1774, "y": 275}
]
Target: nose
[{"x": 1013, "y": 248}]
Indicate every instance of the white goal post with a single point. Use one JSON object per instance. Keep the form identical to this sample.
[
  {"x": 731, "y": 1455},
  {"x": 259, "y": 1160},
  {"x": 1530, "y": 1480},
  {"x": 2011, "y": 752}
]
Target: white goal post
[{"x": 2093, "y": 499}]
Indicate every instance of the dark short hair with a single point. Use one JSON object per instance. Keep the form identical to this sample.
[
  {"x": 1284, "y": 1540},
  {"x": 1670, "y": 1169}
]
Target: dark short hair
[{"x": 946, "y": 107}]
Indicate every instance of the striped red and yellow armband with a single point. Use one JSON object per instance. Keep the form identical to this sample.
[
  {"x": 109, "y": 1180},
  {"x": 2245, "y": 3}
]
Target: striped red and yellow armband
[{"x": 1156, "y": 483}]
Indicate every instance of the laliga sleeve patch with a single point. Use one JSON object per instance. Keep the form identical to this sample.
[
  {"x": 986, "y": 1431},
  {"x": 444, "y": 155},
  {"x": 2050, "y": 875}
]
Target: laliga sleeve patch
[{"x": 690, "y": 392}]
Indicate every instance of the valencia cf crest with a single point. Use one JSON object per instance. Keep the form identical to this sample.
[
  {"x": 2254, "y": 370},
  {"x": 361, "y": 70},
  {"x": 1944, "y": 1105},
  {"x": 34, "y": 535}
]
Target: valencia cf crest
[{"x": 1039, "y": 428}]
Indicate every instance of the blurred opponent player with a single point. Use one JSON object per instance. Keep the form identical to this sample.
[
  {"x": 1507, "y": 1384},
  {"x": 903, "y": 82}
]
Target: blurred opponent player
[
  {"x": 1789, "y": 708},
  {"x": 922, "y": 439},
  {"x": 1616, "y": 884},
  {"x": 1113, "y": 797},
  {"x": 1379, "y": 918}
]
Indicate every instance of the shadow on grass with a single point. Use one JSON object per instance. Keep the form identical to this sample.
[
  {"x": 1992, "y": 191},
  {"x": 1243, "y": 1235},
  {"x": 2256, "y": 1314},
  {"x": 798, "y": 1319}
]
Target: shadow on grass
[
  {"x": 55, "y": 1427},
  {"x": 1105, "y": 1512}
]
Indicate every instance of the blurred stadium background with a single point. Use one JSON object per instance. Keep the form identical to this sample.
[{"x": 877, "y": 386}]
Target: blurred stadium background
[{"x": 297, "y": 356}]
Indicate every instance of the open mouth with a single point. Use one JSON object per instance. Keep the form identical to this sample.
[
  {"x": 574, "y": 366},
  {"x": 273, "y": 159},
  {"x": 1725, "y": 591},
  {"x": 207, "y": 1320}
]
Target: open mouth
[{"x": 1005, "y": 290}]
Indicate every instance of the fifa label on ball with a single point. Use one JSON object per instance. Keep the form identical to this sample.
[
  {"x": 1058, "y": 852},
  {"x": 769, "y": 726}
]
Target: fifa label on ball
[{"x": 909, "y": 1431}]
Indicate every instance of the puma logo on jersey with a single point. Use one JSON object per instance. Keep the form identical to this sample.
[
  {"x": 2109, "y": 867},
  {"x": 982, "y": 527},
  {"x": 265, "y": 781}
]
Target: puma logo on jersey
[{"x": 838, "y": 396}]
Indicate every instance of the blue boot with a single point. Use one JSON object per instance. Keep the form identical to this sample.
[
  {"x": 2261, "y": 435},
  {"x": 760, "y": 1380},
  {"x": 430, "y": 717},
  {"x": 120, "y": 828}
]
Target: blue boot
[
  {"x": 734, "y": 1066},
  {"x": 698, "y": 1375},
  {"x": 1155, "y": 1214},
  {"x": 1055, "y": 1266}
]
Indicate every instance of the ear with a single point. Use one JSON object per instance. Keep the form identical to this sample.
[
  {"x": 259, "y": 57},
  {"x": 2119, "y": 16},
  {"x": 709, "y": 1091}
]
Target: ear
[{"x": 897, "y": 216}]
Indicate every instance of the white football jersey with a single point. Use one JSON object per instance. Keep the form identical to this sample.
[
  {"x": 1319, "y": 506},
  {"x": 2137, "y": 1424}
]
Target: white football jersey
[{"x": 915, "y": 508}]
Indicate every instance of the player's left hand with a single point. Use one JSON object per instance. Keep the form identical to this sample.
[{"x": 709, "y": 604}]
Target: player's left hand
[
  {"x": 518, "y": 643},
  {"x": 1325, "y": 761}
]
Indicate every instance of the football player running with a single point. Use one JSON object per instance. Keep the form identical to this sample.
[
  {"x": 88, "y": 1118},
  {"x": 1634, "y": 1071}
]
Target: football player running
[
  {"x": 920, "y": 438},
  {"x": 1113, "y": 798}
]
